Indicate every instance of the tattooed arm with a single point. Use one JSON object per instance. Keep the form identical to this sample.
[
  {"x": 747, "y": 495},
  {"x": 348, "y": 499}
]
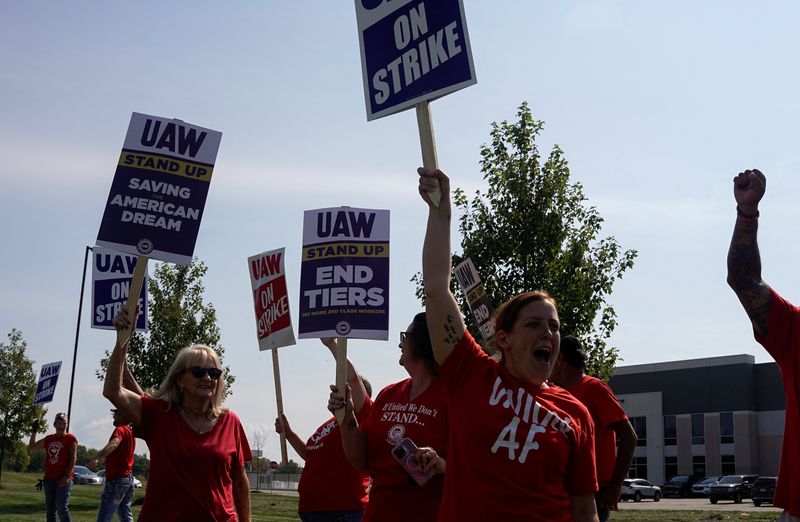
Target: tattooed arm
[
  {"x": 744, "y": 261},
  {"x": 445, "y": 324},
  {"x": 354, "y": 443}
]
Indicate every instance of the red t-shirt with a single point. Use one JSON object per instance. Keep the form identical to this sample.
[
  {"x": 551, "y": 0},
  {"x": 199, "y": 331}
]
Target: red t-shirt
[
  {"x": 605, "y": 410},
  {"x": 516, "y": 451},
  {"x": 119, "y": 463},
  {"x": 328, "y": 481},
  {"x": 783, "y": 344},
  {"x": 57, "y": 455},
  {"x": 190, "y": 473},
  {"x": 394, "y": 496}
]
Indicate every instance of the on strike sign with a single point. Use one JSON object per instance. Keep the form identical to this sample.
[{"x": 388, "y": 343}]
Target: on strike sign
[
  {"x": 46, "y": 387},
  {"x": 111, "y": 281},
  {"x": 159, "y": 189},
  {"x": 344, "y": 277},
  {"x": 271, "y": 300},
  {"x": 411, "y": 51}
]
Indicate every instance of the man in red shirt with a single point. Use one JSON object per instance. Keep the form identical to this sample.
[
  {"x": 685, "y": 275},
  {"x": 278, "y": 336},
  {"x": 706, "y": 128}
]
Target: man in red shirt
[
  {"x": 118, "y": 453},
  {"x": 61, "y": 451},
  {"x": 776, "y": 325},
  {"x": 610, "y": 422}
]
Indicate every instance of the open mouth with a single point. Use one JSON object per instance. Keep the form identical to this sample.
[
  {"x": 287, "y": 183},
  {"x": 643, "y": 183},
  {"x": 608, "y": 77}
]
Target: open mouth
[{"x": 541, "y": 355}]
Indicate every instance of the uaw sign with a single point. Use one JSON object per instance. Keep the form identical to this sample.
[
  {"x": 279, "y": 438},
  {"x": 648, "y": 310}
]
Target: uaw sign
[
  {"x": 111, "y": 281},
  {"x": 159, "y": 189},
  {"x": 46, "y": 387},
  {"x": 344, "y": 276},
  {"x": 479, "y": 302},
  {"x": 412, "y": 51},
  {"x": 270, "y": 299}
]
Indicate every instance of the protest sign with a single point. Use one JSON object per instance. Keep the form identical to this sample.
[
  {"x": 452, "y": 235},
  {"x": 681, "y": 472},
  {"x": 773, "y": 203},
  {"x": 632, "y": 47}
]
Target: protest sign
[
  {"x": 412, "y": 51},
  {"x": 270, "y": 299},
  {"x": 46, "y": 387},
  {"x": 479, "y": 302},
  {"x": 344, "y": 278},
  {"x": 159, "y": 189},
  {"x": 111, "y": 280}
]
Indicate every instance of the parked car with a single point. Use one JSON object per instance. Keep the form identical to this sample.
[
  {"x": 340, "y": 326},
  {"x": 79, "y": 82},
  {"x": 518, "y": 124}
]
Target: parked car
[
  {"x": 732, "y": 487},
  {"x": 679, "y": 486},
  {"x": 136, "y": 482},
  {"x": 84, "y": 475},
  {"x": 763, "y": 490},
  {"x": 702, "y": 488},
  {"x": 637, "y": 489}
]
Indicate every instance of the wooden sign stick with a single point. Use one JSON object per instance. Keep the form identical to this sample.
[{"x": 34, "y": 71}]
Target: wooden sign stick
[
  {"x": 428, "y": 143},
  {"x": 276, "y": 370},
  {"x": 341, "y": 372},
  {"x": 133, "y": 296}
]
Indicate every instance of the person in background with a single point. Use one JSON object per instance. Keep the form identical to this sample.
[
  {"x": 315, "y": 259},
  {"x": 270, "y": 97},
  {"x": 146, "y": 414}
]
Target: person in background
[
  {"x": 60, "y": 454},
  {"x": 776, "y": 326},
  {"x": 412, "y": 410},
  {"x": 525, "y": 446},
  {"x": 610, "y": 423},
  {"x": 118, "y": 489},
  {"x": 198, "y": 449},
  {"x": 330, "y": 489}
]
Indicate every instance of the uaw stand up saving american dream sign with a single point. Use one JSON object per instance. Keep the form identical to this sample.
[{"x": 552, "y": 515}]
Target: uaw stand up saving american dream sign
[{"x": 158, "y": 194}]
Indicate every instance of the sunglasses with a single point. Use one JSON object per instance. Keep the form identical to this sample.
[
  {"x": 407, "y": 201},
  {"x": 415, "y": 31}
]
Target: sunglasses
[{"x": 199, "y": 372}]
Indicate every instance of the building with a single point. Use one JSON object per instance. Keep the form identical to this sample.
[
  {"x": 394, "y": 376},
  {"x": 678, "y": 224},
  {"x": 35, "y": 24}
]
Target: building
[{"x": 713, "y": 416}]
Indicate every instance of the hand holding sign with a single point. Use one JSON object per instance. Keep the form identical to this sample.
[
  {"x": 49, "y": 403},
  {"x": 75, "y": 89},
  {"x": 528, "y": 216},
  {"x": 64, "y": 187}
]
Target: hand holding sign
[{"x": 432, "y": 181}]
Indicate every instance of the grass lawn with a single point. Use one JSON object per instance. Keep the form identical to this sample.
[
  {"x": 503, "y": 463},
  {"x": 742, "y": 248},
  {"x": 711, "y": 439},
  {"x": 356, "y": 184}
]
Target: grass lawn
[{"x": 21, "y": 502}]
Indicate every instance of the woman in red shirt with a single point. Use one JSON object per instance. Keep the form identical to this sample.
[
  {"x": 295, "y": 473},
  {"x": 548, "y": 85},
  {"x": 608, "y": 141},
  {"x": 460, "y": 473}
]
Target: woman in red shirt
[
  {"x": 527, "y": 447},
  {"x": 380, "y": 440},
  {"x": 197, "y": 448}
]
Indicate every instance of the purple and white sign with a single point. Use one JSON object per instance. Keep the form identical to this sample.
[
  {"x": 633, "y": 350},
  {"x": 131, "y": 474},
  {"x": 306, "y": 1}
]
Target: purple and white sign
[
  {"x": 159, "y": 190},
  {"x": 46, "y": 387},
  {"x": 344, "y": 276},
  {"x": 112, "y": 273},
  {"x": 412, "y": 51}
]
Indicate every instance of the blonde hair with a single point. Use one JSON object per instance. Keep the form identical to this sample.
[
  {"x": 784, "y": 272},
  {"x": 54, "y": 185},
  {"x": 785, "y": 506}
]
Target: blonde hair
[{"x": 194, "y": 355}]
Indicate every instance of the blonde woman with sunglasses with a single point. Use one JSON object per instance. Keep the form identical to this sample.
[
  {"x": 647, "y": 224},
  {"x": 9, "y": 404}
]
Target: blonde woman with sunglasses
[{"x": 198, "y": 449}]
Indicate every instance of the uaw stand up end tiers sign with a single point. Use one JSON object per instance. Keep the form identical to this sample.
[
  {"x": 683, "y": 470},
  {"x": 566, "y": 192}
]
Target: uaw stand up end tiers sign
[
  {"x": 344, "y": 279},
  {"x": 159, "y": 190}
]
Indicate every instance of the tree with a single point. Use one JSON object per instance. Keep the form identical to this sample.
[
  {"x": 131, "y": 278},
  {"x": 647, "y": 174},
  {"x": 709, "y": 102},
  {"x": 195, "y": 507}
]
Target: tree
[
  {"x": 17, "y": 390},
  {"x": 533, "y": 229},
  {"x": 290, "y": 467},
  {"x": 178, "y": 318}
]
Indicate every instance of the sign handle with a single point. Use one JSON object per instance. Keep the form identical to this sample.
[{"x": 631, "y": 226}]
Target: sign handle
[
  {"x": 133, "y": 296},
  {"x": 428, "y": 143},
  {"x": 276, "y": 370},
  {"x": 341, "y": 372}
]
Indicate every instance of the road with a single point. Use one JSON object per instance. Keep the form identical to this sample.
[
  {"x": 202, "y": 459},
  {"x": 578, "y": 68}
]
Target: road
[{"x": 667, "y": 504}]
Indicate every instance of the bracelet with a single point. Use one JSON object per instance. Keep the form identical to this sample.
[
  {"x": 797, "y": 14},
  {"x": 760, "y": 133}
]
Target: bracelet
[{"x": 744, "y": 217}]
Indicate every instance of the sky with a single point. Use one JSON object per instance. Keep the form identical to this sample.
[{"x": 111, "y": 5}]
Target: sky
[{"x": 657, "y": 106}]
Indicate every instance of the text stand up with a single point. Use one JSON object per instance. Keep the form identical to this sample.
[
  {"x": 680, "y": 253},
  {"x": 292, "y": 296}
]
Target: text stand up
[
  {"x": 428, "y": 144},
  {"x": 133, "y": 296},
  {"x": 341, "y": 373},
  {"x": 279, "y": 397}
]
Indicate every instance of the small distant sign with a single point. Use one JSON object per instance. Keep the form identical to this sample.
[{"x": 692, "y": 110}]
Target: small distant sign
[
  {"x": 479, "y": 302},
  {"x": 46, "y": 387},
  {"x": 273, "y": 464}
]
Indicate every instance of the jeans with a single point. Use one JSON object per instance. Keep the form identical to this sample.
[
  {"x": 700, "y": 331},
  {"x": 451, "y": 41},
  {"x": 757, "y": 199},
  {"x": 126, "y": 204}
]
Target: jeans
[
  {"x": 331, "y": 516},
  {"x": 56, "y": 500},
  {"x": 116, "y": 498}
]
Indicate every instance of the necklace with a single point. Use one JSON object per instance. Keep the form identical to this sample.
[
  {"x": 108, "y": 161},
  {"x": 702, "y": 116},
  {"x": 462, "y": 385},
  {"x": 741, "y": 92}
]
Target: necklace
[{"x": 199, "y": 422}]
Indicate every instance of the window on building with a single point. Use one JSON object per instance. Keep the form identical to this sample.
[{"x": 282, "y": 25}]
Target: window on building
[
  {"x": 699, "y": 465},
  {"x": 638, "y": 468},
  {"x": 640, "y": 427},
  {"x": 698, "y": 429},
  {"x": 670, "y": 431},
  {"x": 728, "y": 464},
  {"x": 670, "y": 467},
  {"x": 726, "y": 427}
]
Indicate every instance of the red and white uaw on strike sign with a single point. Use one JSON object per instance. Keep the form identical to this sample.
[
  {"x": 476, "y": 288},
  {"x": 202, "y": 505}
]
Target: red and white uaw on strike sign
[
  {"x": 412, "y": 51},
  {"x": 271, "y": 300},
  {"x": 159, "y": 190}
]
